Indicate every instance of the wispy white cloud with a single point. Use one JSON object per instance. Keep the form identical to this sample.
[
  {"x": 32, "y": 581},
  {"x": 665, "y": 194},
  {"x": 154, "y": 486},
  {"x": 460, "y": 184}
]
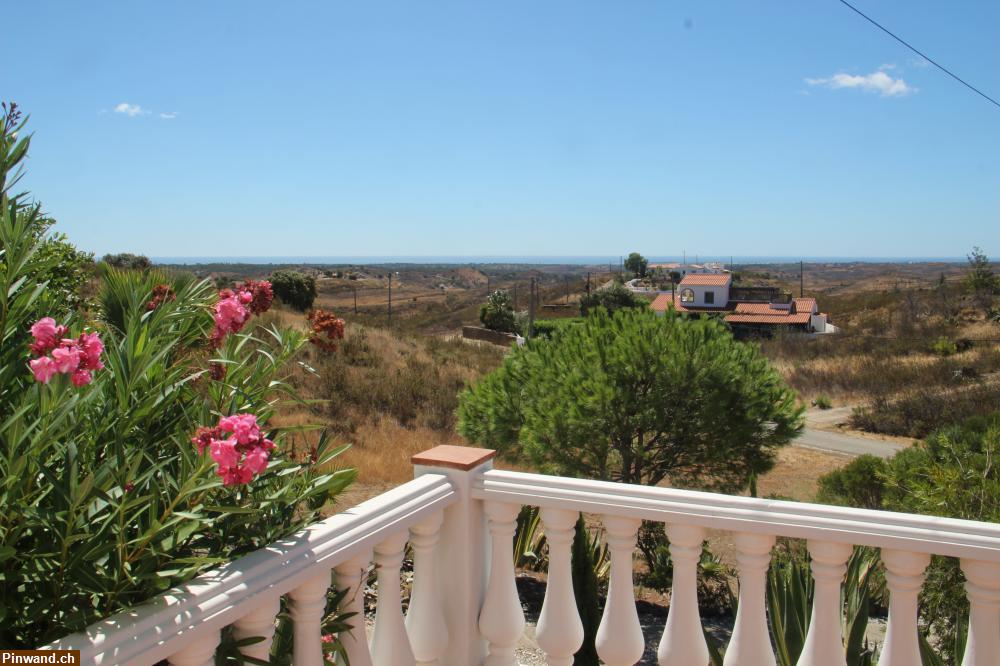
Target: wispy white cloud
[
  {"x": 130, "y": 110},
  {"x": 169, "y": 115},
  {"x": 876, "y": 82}
]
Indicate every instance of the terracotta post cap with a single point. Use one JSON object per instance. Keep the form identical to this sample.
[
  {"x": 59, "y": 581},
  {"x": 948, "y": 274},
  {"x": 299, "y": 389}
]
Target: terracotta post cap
[{"x": 455, "y": 457}]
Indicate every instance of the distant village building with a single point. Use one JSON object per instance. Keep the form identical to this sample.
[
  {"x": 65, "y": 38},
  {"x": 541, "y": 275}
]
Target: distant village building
[{"x": 761, "y": 309}]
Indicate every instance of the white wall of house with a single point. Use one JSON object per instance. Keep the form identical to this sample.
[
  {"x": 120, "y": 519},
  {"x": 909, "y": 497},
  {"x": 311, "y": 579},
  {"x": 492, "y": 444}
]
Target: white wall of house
[
  {"x": 817, "y": 323},
  {"x": 720, "y": 296}
]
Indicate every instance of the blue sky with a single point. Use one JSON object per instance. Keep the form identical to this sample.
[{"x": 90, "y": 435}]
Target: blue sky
[{"x": 510, "y": 128}]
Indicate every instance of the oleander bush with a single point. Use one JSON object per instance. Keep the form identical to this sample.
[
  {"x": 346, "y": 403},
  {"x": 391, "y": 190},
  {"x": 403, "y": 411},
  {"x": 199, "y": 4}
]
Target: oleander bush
[{"x": 134, "y": 446}]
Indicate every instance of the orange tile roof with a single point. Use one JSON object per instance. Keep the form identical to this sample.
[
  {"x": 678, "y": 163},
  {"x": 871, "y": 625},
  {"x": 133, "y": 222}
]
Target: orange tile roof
[
  {"x": 807, "y": 304},
  {"x": 706, "y": 280},
  {"x": 802, "y": 318},
  {"x": 760, "y": 309},
  {"x": 661, "y": 303}
]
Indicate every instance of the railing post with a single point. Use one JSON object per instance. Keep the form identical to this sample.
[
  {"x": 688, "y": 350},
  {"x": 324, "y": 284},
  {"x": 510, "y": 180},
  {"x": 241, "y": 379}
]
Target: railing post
[
  {"x": 619, "y": 637},
  {"x": 824, "y": 644},
  {"x": 198, "y": 652},
  {"x": 560, "y": 631},
  {"x": 463, "y": 559},
  {"x": 306, "y": 605},
  {"x": 390, "y": 643},
  {"x": 983, "y": 588},
  {"x": 350, "y": 576},
  {"x": 501, "y": 620},
  {"x": 750, "y": 644},
  {"x": 258, "y": 623},
  {"x": 425, "y": 621},
  {"x": 683, "y": 640},
  {"x": 904, "y": 574}
]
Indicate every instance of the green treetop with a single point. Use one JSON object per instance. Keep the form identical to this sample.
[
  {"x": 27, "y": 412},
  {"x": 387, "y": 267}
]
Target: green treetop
[{"x": 636, "y": 398}]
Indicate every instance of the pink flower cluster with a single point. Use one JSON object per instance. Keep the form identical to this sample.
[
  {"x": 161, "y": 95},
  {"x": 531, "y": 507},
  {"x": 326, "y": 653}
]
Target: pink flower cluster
[
  {"x": 237, "y": 446},
  {"x": 54, "y": 353},
  {"x": 234, "y": 308}
]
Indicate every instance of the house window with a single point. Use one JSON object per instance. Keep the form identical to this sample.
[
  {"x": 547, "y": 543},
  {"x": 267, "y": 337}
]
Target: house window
[
  {"x": 709, "y": 297},
  {"x": 687, "y": 296}
]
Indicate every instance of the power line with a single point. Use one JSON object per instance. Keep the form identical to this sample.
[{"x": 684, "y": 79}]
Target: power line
[{"x": 922, "y": 55}]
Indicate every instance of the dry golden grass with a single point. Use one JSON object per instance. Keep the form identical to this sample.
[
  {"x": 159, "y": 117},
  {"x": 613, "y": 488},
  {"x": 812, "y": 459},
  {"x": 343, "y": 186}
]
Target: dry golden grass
[{"x": 797, "y": 471}]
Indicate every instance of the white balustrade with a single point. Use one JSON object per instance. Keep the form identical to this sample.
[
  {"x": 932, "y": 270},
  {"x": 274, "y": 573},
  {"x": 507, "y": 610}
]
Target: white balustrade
[
  {"x": 502, "y": 619},
  {"x": 258, "y": 623},
  {"x": 425, "y": 621},
  {"x": 351, "y": 577},
  {"x": 904, "y": 574},
  {"x": 824, "y": 644},
  {"x": 390, "y": 643},
  {"x": 464, "y": 601},
  {"x": 306, "y": 606},
  {"x": 983, "y": 588},
  {"x": 750, "y": 644},
  {"x": 619, "y": 636},
  {"x": 683, "y": 640},
  {"x": 197, "y": 652},
  {"x": 559, "y": 632}
]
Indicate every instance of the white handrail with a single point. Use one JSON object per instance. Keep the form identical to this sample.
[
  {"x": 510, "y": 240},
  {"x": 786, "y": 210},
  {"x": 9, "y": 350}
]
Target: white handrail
[
  {"x": 153, "y": 631},
  {"x": 923, "y": 534}
]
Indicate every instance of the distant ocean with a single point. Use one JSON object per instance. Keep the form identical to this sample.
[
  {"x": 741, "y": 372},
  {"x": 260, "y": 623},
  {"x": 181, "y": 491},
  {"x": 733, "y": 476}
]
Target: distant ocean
[{"x": 593, "y": 260}]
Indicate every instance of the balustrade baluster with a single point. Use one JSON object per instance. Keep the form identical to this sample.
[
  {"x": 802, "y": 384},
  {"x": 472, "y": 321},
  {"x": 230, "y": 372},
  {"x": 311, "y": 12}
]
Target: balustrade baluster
[
  {"x": 750, "y": 644},
  {"x": 619, "y": 637},
  {"x": 904, "y": 573},
  {"x": 425, "y": 621},
  {"x": 197, "y": 652},
  {"x": 501, "y": 620},
  {"x": 258, "y": 623},
  {"x": 683, "y": 640},
  {"x": 390, "y": 645},
  {"x": 560, "y": 631},
  {"x": 824, "y": 644},
  {"x": 983, "y": 588},
  {"x": 306, "y": 605},
  {"x": 351, "y": 576}
]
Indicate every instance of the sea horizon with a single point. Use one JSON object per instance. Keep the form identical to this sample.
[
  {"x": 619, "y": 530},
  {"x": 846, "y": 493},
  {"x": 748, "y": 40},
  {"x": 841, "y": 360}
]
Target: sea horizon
[{"x": 574, "y": 260}]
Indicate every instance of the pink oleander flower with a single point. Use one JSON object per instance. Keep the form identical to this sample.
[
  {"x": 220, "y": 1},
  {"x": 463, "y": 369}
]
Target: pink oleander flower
[
  {"x": 81, "y": 377},
  {"x": 66, "y": 357},
  {"x": 243, "y": 426},
  {"x": 43, "y": 368},
  {"x": 326, "y": 638},
  {"x": 47, "y": 334},
  {"x": 224, "y": 453},
  {"x": 54, "y": 353},
  {"x": 91, "y": 348},
  {"x": 241, "y": 455}
]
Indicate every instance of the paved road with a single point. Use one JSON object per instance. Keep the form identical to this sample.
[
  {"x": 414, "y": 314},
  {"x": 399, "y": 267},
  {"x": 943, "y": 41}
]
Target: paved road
[{"x": 850, "y": 445}]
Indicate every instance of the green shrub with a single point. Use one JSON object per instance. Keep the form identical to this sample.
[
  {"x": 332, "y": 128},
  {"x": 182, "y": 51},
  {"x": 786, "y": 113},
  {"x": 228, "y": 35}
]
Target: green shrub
[
  {"x": 860, "y": 483},
  {"x": 611, "y": 299},
  {"x": 547, "y": 328},
  {"x": 636, "y": 398},
  {"x": 295, "y": 289},
  {"x": 497, "y": 313},
  {"x": 822, "y": 401},
  {"x": 128, "y": 261},
  {"x": 105, "y": 502},
  {"x": 920, "y": 412},
  {"x": 944, "y": 346}
]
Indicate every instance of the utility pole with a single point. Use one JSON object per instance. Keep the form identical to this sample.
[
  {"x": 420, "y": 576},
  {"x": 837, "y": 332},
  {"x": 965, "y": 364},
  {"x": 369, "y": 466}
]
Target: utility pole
[
  {"x": 566, "y": 285},
  {"x": 531, "y": 310},
  {"x": 488, "y": 291},
  {"x": 588, "y": 282},
  {"x": 802, "y": 289},
  {"x": 355, "y": 299},
  {"x": 390, "y": 299}
]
